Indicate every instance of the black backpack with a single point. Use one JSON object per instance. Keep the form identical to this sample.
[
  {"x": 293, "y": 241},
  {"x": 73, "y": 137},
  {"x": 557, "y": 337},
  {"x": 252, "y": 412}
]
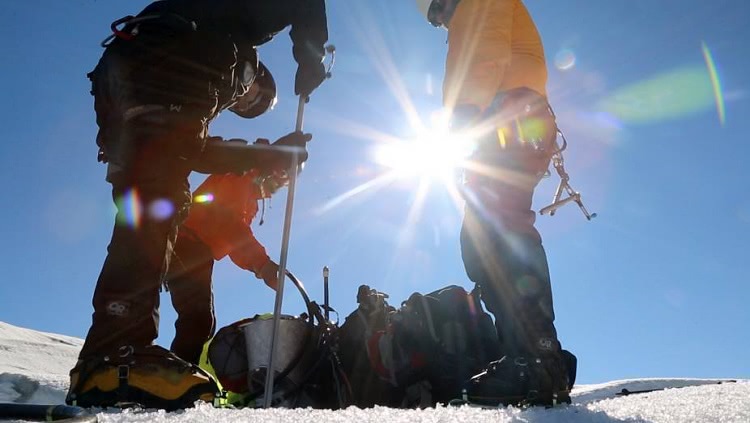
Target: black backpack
[
  {"x": 420, "y": 354},
  {"x": 446, "y": 337}
]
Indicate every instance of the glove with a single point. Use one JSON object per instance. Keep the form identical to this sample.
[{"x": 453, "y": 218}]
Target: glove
[
  {"x": 270, "y": 274},
  {"x": 308, "y": 78},
  {"x": 281, "y": 151}
]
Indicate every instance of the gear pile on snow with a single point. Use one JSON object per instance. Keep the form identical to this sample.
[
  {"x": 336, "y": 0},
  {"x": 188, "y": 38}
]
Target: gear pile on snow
[
  {"x": 436, "y": 348},
  {"x": 419, "y": 355}
]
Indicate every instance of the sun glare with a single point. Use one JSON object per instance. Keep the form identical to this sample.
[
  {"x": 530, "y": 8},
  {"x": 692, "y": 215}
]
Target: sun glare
[{"x": 433, "y": 154}]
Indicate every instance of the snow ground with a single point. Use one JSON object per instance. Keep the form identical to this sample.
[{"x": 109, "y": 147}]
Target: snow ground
[{"x": 34, "y": 369}]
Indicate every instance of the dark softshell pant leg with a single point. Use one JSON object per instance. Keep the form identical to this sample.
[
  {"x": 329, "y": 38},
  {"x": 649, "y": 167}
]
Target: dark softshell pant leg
[
  {"x": 511, "y": 271},
  {"x": 126, "y": 298},
  {"x": 152, "y": 115},
  {"x": 502, "y": 252},
  {"x": 192, "y": 297}
]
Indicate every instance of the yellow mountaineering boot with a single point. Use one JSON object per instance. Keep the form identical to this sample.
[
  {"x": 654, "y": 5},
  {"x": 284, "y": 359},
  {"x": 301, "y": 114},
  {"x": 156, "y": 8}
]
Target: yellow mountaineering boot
[{"x": 151, "y": 377}]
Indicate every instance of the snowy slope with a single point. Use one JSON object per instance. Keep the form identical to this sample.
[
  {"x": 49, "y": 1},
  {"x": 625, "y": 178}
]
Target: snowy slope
[{"x": 34, "y": 367}]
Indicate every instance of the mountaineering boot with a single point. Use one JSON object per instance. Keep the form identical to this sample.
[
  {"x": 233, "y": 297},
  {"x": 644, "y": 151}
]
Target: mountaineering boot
[
  {"x": 571, "y": 366},
  {"x": 150, "y": 376},
  {"x": 521, "y": 381}
]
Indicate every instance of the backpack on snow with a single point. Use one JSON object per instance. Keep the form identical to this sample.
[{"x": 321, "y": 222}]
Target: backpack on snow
[
  {"x": 444, "y": 338},
  {"x": 237, "y": 356},
  {"x": 423, "y": 352}
]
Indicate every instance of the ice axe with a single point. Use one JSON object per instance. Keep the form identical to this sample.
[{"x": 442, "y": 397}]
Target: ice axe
[{"x": 303, "y": 99}]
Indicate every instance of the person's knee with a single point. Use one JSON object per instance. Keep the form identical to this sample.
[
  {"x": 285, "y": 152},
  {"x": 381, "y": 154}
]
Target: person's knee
[{"x": 196, "y": 326}]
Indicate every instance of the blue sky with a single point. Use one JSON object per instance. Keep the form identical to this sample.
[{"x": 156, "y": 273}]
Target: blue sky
[{"x": 656, "y": 286}]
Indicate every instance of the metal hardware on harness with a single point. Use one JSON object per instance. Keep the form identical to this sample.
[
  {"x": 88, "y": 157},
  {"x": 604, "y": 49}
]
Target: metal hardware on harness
[
  {"x": 134, "y": 20},
  {"x": 559, "y": 163},
  {"x": 330, "y": 50},
  {"x": 121, "y": 33}
]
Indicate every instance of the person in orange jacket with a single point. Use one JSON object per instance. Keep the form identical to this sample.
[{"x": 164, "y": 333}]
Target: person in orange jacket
[
  {"x": 218, "y": 225},
  {"x": 495, "y": 87}
]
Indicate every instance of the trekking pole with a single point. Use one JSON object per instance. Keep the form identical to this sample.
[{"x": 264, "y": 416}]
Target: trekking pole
[
  {"x": 325, "y": 292},
  {"x": 303, "y": 99}
]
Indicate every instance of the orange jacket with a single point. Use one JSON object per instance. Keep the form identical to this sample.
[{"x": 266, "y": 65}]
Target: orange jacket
[
  {"x": 220, "y": 216},
  {"x": 493, "y": 46}
]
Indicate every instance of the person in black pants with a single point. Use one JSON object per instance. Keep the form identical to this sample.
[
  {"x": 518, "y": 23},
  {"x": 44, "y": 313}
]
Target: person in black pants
[{"x": 164, "y": 75}]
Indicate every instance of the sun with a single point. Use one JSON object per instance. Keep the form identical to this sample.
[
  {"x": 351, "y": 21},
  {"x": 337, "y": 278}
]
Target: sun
[{"x": 433, "y": 154}]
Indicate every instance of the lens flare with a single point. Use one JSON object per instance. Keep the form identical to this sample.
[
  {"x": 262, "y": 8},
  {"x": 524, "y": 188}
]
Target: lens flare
[
  {"x": 203, "y": 198},
  {"x": 161, "y": 209},
  {"x": 565, "y": 59},
  {"x": 669, "y": 95},
  {"x": 715, "y": 82},
  {"x": 130, "y": 209}
]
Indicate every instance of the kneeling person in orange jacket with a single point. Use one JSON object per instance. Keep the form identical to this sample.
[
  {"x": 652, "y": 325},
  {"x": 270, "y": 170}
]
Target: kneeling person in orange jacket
[{"x": 218, "y": 225}]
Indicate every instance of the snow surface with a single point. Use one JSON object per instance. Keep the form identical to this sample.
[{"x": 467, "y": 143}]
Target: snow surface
[{"x": 34, "y": 369}]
